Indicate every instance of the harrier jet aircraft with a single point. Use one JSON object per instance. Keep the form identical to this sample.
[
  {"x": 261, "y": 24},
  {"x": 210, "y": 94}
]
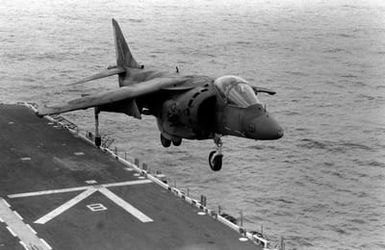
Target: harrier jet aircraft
[{"x": 185, "y": 106}]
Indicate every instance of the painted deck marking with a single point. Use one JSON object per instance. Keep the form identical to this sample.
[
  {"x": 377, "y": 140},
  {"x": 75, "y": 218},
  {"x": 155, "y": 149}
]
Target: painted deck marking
[
  {"x": 126, "y": 183},
  {"x": 11, "y": 231},
  {"x": 30, "y": 228},
  {"x": 66, "y": 190},
  {"x": 18, "y": 215},
  {"x": 66, "y": 206},
  {"x": 24, "y": 245},
  {"x": 45, "y": 243},
  {"x": 19, "y": 229},
  {"x": 87, "y": 191},
  {"x": 96, "y": 207},
  {"x": 91, "y": 182},
  {"x": 126, "y": 206},
  {"x": 55, "y": 191},
  {"x": 6, "y": 203}
]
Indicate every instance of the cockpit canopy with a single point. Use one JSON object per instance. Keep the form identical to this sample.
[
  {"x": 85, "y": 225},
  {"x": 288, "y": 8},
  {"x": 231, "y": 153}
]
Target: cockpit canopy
[{"x": 236, "y": 91}]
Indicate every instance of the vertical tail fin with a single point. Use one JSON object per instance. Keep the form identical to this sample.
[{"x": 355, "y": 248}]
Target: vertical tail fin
[
  {"x": 124, "y": 57},
  {"x": 124, "y": 60}
]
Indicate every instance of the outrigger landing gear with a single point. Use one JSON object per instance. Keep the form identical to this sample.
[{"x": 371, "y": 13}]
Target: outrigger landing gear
[
  {"x": 98, "y": 138},
  {"x": 215, "y": 157}
]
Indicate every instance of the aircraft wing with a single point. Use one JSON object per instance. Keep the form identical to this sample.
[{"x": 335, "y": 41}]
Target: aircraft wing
[{"x": 108, "y": 97}]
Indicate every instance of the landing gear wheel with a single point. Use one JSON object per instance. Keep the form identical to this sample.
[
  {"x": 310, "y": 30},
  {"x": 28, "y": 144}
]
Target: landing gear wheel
[
  {"x": 165, "y": 142},
  {"x": 177, "y": 142},
  {"x": 215, "y": 160},
  {"x": 215, "y": 157}
]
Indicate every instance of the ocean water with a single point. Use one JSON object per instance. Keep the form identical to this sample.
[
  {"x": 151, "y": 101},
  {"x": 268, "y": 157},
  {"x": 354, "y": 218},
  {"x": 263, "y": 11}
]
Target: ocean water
[{"x": 321, "y": 186}]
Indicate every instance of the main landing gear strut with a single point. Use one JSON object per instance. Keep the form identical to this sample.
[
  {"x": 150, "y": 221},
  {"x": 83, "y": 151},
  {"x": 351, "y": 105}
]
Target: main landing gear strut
[
  {"x": 215, "y": 157},
  {"x": 98, "y": 138}
]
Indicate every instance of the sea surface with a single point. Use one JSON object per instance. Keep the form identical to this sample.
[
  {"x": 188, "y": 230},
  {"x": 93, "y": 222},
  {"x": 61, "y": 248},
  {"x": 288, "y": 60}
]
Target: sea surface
[{"x": 322, "y": 186}]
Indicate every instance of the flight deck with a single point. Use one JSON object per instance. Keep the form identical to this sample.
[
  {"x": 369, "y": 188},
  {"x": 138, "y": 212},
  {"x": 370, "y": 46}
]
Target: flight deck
[{"x": 58, "y": 191}]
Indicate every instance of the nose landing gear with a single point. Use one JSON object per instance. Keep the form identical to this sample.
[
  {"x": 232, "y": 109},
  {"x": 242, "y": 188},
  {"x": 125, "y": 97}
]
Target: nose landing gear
[{"x": 215, "y": 157}]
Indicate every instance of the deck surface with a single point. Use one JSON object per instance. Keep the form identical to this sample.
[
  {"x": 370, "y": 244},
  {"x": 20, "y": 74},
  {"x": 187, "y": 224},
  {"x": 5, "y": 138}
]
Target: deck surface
[{"x": 59, "y": 192}]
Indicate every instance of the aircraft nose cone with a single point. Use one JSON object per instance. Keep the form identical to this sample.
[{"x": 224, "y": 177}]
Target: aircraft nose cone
[
  {"x": 266, "y": 128},
  {"x": 272, "y": 130},
  {"x": 279, "y": 132}
]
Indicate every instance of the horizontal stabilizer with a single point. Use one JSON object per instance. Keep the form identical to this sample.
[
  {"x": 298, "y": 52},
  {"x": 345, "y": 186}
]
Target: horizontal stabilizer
[{"x": 105, "y": 73}]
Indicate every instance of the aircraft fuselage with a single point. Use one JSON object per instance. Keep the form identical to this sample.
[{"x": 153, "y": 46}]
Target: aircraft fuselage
[{"x": 200, "y": 113}]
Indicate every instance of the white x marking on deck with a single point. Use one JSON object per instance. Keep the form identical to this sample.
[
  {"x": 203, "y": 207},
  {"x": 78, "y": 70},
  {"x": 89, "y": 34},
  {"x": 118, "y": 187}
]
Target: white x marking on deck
[{"x": 88, "y": 190}]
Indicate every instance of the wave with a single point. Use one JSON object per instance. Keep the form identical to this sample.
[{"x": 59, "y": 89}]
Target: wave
[
  {"x": 338, "y": 229},
  {"x": 349, "y": 76},
  {"x": 300, "y": 241},
  {"x": 335, "y": 147},
  {"x": 371, "y": 163},
  {"x": 351, "y": 145},
  {"x": 133, "y": 20},
  {"x": 291, "y": 113},
  {"x": 335, "y": 50},
  {"x": 313, "y": 144},
  {"x": 367, "y": 97},
  {"x": 345, "y": 35},
  {"x": 285, "y": 201},
  {"x": 297, "y": 73}
]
